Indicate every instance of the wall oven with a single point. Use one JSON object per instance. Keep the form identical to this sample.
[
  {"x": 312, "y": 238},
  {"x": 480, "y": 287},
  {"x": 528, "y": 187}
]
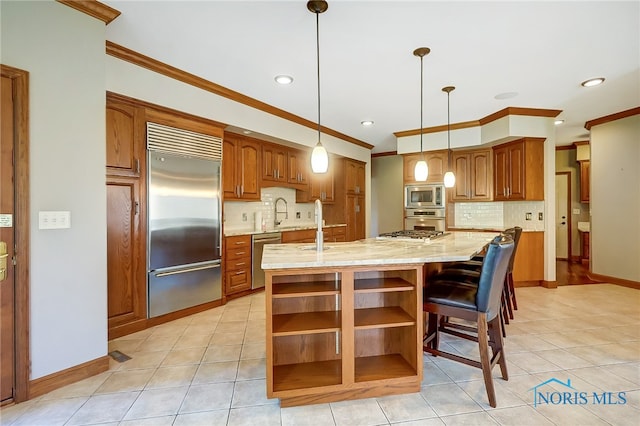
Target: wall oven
[
  {"x": 424, "y": 220},
  {"x": 424, "y": 196}
]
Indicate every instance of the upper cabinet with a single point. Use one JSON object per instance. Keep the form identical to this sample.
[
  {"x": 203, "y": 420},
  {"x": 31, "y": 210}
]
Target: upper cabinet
[
  {"x": 240, "y": 167},
  {"x": 298, "y": 169},
  {"x": 354, "y": 176},
  {"x": 519, "y": 170},
  {"x": 274, "y": 164},
  {"x": 125, "y": 138},
  {"x": 585, "y": 166},
  {"x": 436, "y": 161},
  {"x": 474, "y": 175}
]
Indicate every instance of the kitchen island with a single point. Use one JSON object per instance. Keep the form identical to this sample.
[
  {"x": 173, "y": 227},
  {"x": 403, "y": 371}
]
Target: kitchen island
[{"x": 346, "y": 323}]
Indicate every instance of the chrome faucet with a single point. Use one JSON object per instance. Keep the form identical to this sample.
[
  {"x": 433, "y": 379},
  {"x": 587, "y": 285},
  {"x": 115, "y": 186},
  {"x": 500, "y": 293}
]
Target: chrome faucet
[
  {"x": 319, "y": 233},
  {"x": 276, "y": 212}
]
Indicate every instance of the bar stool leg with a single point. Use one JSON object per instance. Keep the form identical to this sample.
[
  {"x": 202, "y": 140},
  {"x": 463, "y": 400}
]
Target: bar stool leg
[{"x": 485, "y": 359}]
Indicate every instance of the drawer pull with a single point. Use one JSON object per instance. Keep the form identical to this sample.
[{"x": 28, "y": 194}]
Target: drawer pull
[
  {"x": 239, "y": 264},
  {"x": 240, "y": 273}
]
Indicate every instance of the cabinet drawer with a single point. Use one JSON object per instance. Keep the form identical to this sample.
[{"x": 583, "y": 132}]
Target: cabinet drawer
[
  {"x": 302, "y": 236},
  {"x": 236, "y": 264},
  {"x": 238, "y": 253},
  {"x": 238, "y": 280},
  {"x": 237, "y": 247}
]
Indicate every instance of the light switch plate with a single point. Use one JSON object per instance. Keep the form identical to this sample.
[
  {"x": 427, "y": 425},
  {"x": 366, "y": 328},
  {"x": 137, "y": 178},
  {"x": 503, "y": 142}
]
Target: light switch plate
[{"x": 54, "y": 219}]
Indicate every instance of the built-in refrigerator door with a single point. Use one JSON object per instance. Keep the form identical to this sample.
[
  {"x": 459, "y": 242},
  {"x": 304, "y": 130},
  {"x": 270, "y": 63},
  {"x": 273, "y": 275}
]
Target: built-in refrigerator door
[
  {"x": 172, "y": 289},
  {"x": 183, "y": 210}
]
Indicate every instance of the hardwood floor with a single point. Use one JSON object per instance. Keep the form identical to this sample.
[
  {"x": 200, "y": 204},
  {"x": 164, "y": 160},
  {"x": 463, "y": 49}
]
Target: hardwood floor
[{"x": 569, "y": 273}]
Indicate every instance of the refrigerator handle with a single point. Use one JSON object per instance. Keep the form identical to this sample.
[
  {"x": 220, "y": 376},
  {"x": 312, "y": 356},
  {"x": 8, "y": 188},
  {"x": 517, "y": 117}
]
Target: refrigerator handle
[{"x": 182, "y": 271}]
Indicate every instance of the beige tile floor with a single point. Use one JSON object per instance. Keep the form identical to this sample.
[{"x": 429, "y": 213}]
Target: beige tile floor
[{"x": 209, "y": 369}]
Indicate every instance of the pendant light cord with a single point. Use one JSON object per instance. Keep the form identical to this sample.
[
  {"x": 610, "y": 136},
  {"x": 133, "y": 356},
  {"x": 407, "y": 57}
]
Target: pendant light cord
[
  {"x": 421, "y": 101},
  {"x": 448, "y": 131},
  {"x": 318, "y": 64}
]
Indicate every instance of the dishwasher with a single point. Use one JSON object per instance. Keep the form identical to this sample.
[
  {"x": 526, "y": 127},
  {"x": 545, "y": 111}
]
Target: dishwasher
[{"x": 258, "y": 242}]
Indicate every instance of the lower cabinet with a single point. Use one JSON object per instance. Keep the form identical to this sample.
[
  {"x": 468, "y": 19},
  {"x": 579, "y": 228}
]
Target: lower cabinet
[
  {"x": 300, "y": 236},
  {"x": 528, "y": 265},
  {"x": 343, "y": 333},
  {"x": 237, "y": 276}
]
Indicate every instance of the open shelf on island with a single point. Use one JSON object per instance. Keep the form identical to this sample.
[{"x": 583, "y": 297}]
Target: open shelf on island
[
  {"x": 306, "y": 323},
  {"x": 382, "y": 367},
  {"x": 305, "y": 288},
  {"x": 377, "y": 285},
  {"x": 392, "y": 316},
  {"x": 307, "y": 375}
]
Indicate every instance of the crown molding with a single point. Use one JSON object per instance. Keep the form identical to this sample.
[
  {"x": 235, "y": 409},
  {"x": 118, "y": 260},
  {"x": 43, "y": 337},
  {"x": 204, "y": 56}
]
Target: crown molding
[
  {"x": 612, "y": 117},
  {"x": 93, "y": 8},
  {"x": 154, "y": 65}
]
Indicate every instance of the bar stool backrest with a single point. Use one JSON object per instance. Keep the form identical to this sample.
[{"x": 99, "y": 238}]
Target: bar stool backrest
[{"x": 494, "y": 270}]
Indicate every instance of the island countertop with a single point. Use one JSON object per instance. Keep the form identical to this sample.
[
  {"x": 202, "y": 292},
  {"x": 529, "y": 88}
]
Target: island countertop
[{"x": 455, "y": 246}]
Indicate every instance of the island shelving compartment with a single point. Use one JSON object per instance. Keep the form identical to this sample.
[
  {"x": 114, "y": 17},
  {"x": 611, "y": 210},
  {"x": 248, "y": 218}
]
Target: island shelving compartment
[{"x": 338, "y": 333}]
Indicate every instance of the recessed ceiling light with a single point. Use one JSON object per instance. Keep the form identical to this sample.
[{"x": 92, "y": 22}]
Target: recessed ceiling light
[
  {"x": 558, "y": 122},
  {"x": 367, "y": 123},
  {"x": 506, "y": 95},
  {"x": 592, "y": 82},
  {"x": 284, "y": 79},
  {"x": 246, "y": 132}
]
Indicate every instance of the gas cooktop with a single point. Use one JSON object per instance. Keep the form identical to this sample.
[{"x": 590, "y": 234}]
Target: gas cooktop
[{"x": 413, "y": 235}]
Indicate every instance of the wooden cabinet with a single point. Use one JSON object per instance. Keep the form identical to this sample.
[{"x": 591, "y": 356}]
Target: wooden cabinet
[
  {"x": 355, "y": 217},
  {"x": 240, "y": 167},
  {"x": 437, "y": 161},
  {"x": 343, "y": 333},
  {"x": 299, "y": 236},
  {"x": 237, "y": 260},
  {"x": 528, "y": 265},
  {"x": 584, "y": 243},
  {"x": 321, "y": 185},
  {"x": 354, "y": 176},
  {"x": 125, "y": 138},
  {"x": 299, "y": 169},
  {"x": 126, "y": 223},
  {"x": 274, "y": 164},
  {"x": 585, "y": 166},
  {"x": 519, "y": 170},
  {"x": 335, "y": 234},
  {"x": 474, "y": 175}
]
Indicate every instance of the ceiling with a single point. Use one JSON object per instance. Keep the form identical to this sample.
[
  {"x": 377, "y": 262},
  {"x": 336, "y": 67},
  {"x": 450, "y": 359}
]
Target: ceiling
[{"x": 541, "y": 50}]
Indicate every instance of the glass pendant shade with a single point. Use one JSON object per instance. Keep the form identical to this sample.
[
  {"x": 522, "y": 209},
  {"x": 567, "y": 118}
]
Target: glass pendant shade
[
  {"x": 319, "y": 159},
  {"x": 449, "y": 180},
  {"x": 421, "y": 172}
]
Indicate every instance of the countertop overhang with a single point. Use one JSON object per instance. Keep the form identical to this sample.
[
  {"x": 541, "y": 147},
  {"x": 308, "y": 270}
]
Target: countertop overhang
[{"x": 455, "y": 246}]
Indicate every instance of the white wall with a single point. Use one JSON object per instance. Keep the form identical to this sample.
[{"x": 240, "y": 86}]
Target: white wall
[
  {"x": 387, "y": 198},
  {"x": 63, "y": 51},
  {"x": 615, "y": 198}
]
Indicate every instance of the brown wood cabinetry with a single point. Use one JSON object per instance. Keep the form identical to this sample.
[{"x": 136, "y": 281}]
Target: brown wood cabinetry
[
  {"x": 125, "y": 138},
  {"x": 298, "y": 169},
  {"x": 584, "y": 240},
  {"x": 299, "y": 236},
  {"x": 237, "y": 260},
  {"x": 355, "y": 217},
  {"x": 519, "y": 170},
  {"x": 335, "y": 234},
  {"x": 354, "y": 176},
  {"x": 528, "y": 265},
  {"x": 437, "y": 161},
  {"x": 322, "y": 185},
  {"x": 240, "y": 167},
  {"x": 126, "y": 230},
  {"x": 274, "y": 164},
  {"x": 474, "y": 175},
  {"x": 349, "y": 205},
  {"x": 585, "y": 166},
  {"x": 343, "y": 333}
]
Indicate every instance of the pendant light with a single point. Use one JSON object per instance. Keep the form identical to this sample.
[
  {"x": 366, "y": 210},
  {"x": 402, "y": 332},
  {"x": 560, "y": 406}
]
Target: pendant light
[
  {"x": 319, "y": 156},
  {"x": 449, "y": 177},
  {"x": 421, "y": 171}
]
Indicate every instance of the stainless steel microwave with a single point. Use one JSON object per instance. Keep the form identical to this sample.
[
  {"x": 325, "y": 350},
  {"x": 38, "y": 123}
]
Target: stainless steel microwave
[{"x": 425, "y": 195}]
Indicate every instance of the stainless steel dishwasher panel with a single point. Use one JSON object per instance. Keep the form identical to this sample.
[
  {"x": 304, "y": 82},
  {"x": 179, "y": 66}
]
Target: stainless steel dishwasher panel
[{"x": 258, "y": 242}]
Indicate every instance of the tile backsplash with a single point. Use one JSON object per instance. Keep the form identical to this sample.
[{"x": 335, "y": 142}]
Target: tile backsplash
[
  {"x": 240, "y": 215},
  {"x": 500, "y": 215}
]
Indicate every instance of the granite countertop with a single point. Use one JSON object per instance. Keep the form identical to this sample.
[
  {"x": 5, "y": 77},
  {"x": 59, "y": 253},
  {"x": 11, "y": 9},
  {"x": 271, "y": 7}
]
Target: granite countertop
[
  {"x": 476, "y": 228},
  {"x": 233, "y": 232},
  {"x": 455, "y": 246}
]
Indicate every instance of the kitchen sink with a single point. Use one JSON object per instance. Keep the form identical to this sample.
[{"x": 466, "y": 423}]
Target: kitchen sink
[{"x": 313, "y": 247}]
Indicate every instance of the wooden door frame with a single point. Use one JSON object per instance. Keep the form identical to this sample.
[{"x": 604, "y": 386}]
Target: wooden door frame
[
  {"x": 567, "y": 174},
  {"x": 20, "y": 80}
]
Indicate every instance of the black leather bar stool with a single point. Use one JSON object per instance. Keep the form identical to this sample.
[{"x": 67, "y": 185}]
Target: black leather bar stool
[{"x": 475, "y": 303}]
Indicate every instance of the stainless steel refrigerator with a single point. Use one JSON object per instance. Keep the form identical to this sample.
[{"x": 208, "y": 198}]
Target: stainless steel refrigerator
[{"x": 184, "y": 219}]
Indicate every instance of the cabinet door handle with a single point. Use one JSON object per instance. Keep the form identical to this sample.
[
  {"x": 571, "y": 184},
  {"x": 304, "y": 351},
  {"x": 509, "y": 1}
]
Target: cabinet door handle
[
  {"x": 136, "y": 208},
  {"x": 241, "y": 189},
  {"x": 137, "y": 165}
]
